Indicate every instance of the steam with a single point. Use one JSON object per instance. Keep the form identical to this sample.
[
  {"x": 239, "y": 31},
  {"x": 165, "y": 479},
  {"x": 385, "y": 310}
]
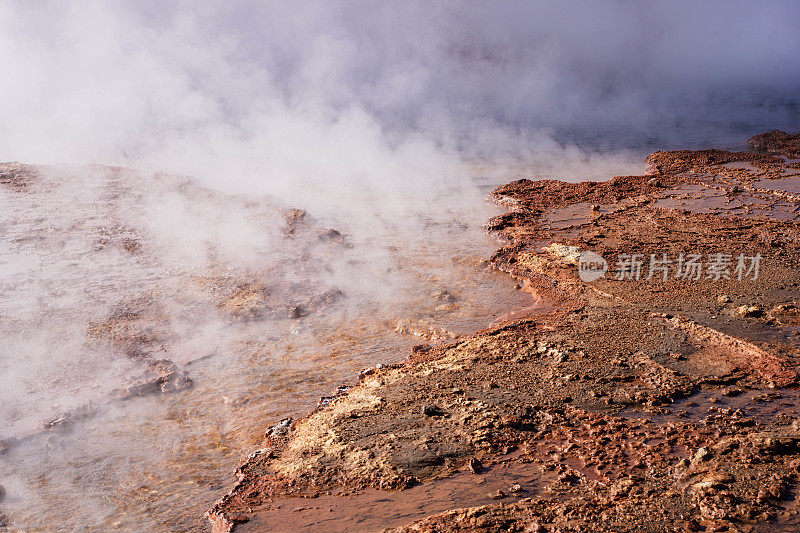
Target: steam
[
  {"x": 252, "y": 95},
  {"x": 388, "y": 121}
]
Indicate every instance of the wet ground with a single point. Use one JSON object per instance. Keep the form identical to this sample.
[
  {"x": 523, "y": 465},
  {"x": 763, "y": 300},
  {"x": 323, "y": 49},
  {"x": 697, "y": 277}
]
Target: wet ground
[
  {"x": 151, "y": 327},
  {"x": 374, "y": 510},
  {"x": 630, "y": 402}
]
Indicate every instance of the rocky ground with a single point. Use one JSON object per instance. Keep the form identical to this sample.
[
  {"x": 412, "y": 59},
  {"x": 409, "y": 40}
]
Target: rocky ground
[{"x": 638, "y": 401}]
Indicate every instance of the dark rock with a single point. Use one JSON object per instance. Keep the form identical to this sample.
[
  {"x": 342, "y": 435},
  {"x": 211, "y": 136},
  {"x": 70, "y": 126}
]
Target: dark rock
[
  {"x": 776, "y": 142},
  {"x": 475, "y": 466},
  {"x": 433, "y": 410}
]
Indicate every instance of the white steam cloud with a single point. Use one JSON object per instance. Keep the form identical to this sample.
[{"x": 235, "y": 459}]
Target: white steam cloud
[{"x": 268, "y": 94}]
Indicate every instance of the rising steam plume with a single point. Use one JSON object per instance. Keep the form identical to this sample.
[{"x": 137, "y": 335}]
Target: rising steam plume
[{"x": 263, "y": 94}]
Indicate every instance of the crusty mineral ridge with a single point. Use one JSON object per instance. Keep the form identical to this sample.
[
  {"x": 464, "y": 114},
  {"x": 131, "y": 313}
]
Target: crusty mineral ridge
[
  {"x": 777, "y": 142},
  {"x": 655, "y": 404}
]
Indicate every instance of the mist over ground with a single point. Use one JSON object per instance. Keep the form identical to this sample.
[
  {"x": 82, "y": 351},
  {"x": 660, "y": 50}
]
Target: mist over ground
[
  {"x": 265, "y": 95},
  {"x": 389, "y": 121}
]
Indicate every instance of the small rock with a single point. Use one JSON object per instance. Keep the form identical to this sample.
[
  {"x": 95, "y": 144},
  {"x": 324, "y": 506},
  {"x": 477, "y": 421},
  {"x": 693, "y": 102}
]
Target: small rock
[
  {"x": 723, "y": 299},
  {"x": 369, "y": 371},
  {"x": 298, "y": 311},
  {"x": 329, "y": 235},
  {"x": 569, "y": 478},
  {"x": 726, "y": 445},
  {"x": 748, "y": 310},
  {"x": 432, "y": 410},
  {"x": 732, "y": 391},
  {"x": 295, "y": 214},
  {"x": 497, "y": 495},
  {"x": 445, "y": 296},
  {"x": 716, "y": 480},
  {"x": 475, "y": 466},
  {"x": 515, "y": 489},
  {"x": 621, "y": 488},
  {"x": 421, "y": 349},
  {"x": 702, "y": 454},
  {"x": 281, "y": 429}
]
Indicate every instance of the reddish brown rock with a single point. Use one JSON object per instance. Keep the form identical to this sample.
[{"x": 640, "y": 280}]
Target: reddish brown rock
[
  {"x": 777, "y": 142},
  {"x": 616, "y": 406}
]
